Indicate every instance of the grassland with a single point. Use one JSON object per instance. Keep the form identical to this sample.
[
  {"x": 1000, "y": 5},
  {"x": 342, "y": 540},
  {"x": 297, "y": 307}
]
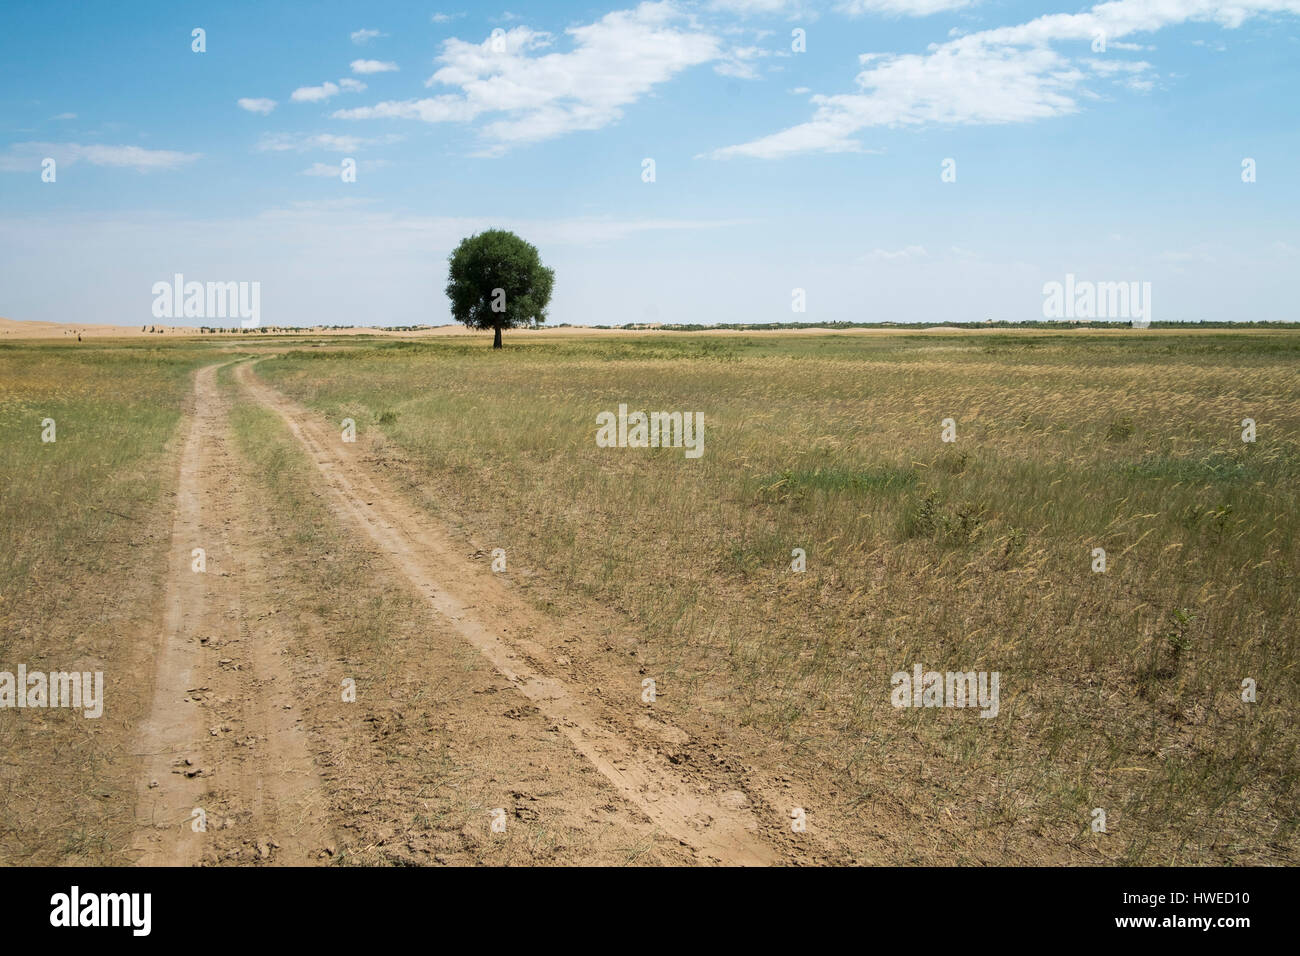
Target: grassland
[
  {"x": 416, "y": 774},
  {"x": 83, "y": 526},
  {"x": 1120, "y": 690}
]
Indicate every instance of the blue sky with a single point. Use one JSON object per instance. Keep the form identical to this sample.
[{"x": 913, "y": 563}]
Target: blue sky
[{"x": 775, "y": 169}]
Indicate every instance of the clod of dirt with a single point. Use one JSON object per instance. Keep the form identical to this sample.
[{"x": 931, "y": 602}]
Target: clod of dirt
[{"x": 734, "y": 799}]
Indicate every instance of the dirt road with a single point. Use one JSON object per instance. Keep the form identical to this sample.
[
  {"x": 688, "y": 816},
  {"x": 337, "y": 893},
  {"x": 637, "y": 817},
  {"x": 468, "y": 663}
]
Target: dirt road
[
  {"x": 490, "y": 618},
  {"x": 227, "y": 769},
  {"x": 245, "y": 759}
]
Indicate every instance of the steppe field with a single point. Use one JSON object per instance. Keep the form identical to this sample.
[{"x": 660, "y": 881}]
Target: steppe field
[{"x": 476, "y": 636}]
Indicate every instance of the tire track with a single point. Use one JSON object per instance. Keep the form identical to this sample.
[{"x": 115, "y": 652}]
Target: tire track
[
  {"x": 222, "y": 735},
  {"x": 481, "y": 611},
  {"x": 172, "y": 730}
]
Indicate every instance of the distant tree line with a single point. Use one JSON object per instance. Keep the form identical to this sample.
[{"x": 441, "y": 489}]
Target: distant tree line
[
  {"x": 770, "y": 326},
  {"x": 987, "y": 324}
]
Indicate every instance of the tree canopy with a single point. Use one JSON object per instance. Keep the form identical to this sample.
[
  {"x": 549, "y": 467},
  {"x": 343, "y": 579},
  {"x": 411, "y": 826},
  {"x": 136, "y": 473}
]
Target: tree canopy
[{"x": 497, "y": 281}]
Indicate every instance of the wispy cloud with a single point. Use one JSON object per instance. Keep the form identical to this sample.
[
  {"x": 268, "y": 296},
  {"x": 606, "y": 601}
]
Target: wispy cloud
[
  {"x": 327, "y": 90},
  {"x": 315, "y": 94},
  {"x": 1111, "y": 67},
  {"x": 322, "y": 169},
  {"x": 331, "y": 171},
  {"x": 26, "y": 157},
  {"x": 373, "y": 66},
  {"x": 747, "y": 8},
  {"x": 887, "y": 255},
  {"x": 739, "y": 62},
  {"x": 1003, "y": 75},
  {"x": 540, "y": 95},
  {"x": 364, "y": 36},
  {"x": 256, "y": 104},
  {"x": 899, "y": 8},
  {"x": 288, "y": 142}
]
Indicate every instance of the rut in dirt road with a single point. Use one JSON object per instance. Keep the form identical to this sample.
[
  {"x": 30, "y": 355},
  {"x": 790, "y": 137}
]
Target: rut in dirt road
[
  {"x": 222, "y": 737},
  {"x": 481, "y": 611}
]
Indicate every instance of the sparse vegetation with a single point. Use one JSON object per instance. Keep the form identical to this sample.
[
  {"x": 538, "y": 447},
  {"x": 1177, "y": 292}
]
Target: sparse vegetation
[
  {"x": 1120, "y": 689},
  {"x": 973, "y": 555}
]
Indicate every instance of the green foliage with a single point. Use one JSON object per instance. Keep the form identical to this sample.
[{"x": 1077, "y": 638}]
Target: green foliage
[
  {"x": 955, "y": 526},
  {"x": 1217, "y": 467},
  {"x": 864, "y": 481},
  {"x": 1120, "y": 430},
  {"x": 497, "y": 281}
]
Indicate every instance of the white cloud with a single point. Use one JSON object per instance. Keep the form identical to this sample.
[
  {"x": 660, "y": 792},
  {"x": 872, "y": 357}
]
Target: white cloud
[
  {"x": 1202, "y": 253},
  {"x": 445, "y": 17},
  {"x": 334, "y": 171},
  {"x": 899, "y": 8},
  {"x": 25, "y": 157},
  {"x": 439, "y": 109},
  {"x": 328, "y": 90},
  {"x": 1002, "y": 75},
  {"x": 322, "y": 169},
  {"x": 885, "y": 255},
  {"x": 1111, "y": 67},
  {"x": 759, "y": 7},
  {"x": 65, "y": 116},
  {"x": 538, "y": 96},
  {"x": 373, "y": 66},
  {"x": 314, "y": 94},
  {"x": 591, "y": 231},
  {"x": 951, "y": 85},
  {"x": 738, "y": 62},
  {"x": 256, "y": 104},
  {"x": 362, "y": 37},
  {"x": 287, "y": 142}
]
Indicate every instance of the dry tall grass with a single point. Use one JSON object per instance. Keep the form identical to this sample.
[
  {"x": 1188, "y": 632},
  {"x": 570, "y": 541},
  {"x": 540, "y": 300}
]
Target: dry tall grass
[
  {"x": 1120, "y": 690},
  {"x": 84, "y": 521}
]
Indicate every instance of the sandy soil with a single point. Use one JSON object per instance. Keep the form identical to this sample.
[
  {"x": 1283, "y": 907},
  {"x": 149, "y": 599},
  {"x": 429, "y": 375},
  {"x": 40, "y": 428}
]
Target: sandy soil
[{"x": 222, "y": 736}]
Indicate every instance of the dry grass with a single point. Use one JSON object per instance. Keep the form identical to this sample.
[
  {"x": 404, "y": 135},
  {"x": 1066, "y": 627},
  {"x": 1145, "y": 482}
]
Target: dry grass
[
  {"x": 436, "y": 739},
  {"x": 1119, "y": 690},
  {"x": 84, "y": 522}
]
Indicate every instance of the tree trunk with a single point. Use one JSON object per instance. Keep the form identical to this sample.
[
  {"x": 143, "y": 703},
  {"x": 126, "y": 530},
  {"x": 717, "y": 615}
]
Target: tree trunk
[{"x": 496, "y": 342}]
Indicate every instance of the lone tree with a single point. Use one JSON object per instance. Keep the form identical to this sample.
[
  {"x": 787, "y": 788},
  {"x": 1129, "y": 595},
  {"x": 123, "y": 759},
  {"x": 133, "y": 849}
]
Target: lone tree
[{"x": 497, "y": 281}]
